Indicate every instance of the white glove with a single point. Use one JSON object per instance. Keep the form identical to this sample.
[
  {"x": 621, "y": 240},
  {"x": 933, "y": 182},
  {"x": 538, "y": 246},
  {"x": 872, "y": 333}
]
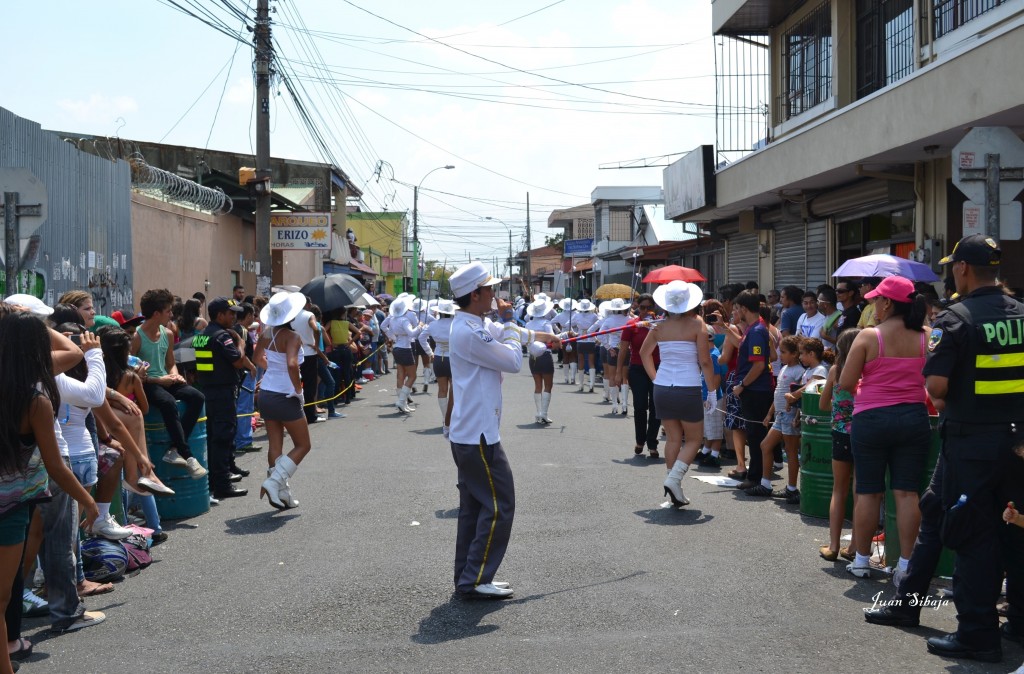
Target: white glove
[{"x": 537, "y": 349}]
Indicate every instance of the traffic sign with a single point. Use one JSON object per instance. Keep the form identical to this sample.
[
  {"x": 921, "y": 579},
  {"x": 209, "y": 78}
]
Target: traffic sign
[
  {"x": 1009, "y": 220},
  {"x": 969, "y": 158}
]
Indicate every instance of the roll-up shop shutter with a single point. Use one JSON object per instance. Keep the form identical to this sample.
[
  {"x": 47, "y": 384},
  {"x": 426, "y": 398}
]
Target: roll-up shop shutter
[
  {"x": 817, "y": 273},
  {"x": 790, "y": 255},
  {"x": 741, "y": 252}
]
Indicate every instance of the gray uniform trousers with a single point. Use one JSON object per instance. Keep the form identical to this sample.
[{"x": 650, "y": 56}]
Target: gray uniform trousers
[{"x": 487, "y": 504}]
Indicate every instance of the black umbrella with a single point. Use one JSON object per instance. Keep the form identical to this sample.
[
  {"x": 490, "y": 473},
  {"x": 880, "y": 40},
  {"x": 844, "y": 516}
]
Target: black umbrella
[{"x": 334, "y": 291}]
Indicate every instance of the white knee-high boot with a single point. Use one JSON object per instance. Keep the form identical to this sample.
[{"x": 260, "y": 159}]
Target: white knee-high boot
[
  {"x": 442, "y": 403},
  {"x": 537, "y": 404},
  {"x": 284, "y": 468},
  {"x": 613, "y": 395},
  {"x": 624, "y": 397},
  {"x": 673, "y": 483},
  {"x": 545, "y": 402},
  {"x": 573, "y": 367},
  {"x": 592, "y": 373}
]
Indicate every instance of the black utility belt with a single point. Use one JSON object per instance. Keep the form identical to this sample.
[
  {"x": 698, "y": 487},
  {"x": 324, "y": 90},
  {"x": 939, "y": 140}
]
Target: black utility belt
[{"x": 951, "y": 427}]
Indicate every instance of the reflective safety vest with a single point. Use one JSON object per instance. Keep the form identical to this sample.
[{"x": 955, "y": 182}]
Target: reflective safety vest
[
  {"x": 204, "y": 356},
  {"x": 993, "y": 391}
]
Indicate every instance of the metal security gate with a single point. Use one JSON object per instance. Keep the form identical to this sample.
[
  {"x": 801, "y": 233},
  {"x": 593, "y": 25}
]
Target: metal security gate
[
  {"x": 741, "y": 256},
  {"x": 817, "y": 273},
  {"x": 790, "y": 255}
]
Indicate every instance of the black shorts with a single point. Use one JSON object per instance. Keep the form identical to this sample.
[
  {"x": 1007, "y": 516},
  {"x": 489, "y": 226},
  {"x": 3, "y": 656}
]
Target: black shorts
[
  {"x": 442, "y": 367},
  {"x": 841, "y": 449},
  {"x": 417, "y": 350},
  {"x": 610, "y": 356},
  {"x": 587, "y": 348},
  {"x": 542, "y": 364},
  {"x": 404, "y": 357},
  {"x": 274, "y": 406},
  {"x": 683, "y": 403}
]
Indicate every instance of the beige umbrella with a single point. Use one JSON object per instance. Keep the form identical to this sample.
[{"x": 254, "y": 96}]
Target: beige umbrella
[{"x": 612, "y": 290}]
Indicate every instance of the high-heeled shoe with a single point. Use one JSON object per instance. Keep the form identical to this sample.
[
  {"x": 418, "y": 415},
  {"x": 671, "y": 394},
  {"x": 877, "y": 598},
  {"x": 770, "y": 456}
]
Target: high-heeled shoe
[
  {"x": 272, "y": 495},
  {"x": 676, "y": 501},
  {"x": 277, "y": 483}
]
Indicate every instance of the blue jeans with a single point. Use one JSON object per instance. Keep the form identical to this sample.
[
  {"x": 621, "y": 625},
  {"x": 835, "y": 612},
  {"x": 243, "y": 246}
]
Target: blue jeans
[
  {"x": 148, "y": 505},
  {"x": 243, "y": 434},
  {"x": 57, "y": 556},
  {"x": 326, "y": 390}
]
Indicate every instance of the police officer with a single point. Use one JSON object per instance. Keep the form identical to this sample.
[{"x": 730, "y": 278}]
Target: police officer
[
  {"x": 976, "y": 364},
  {"x": 217, "y": 363}
]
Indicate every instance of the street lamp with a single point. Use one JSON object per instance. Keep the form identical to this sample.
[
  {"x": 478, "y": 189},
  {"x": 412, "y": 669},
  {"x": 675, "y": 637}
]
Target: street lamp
[
  {"x": 508, "y": 263},
  {"x": 416, "y": 229}
]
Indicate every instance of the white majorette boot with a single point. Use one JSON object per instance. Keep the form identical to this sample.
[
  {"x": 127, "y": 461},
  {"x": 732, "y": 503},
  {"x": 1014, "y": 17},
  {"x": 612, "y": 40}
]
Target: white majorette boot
[
  {"x": 545, "y": 402},
  {"x": 284, "y": 468},
  {"x": 624, "y": 398},
  {"x": 592, "y": 373},
  {"x": 673, "y": 484},
  {"x": 613, "y": 396},
  {"x": 573, "y": 367},
  {"x": 442, "y": 403},
  {"x": 537, "y": 405}
]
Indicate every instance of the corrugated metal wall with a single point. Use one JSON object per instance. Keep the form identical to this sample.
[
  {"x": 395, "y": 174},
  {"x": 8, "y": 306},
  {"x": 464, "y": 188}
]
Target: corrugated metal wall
[
  {"x": 85, "y": 240},
  {"x": 741, "y": 256},
  {"x": 817, "y": 272},
  {"x": 789, "y": 255}
]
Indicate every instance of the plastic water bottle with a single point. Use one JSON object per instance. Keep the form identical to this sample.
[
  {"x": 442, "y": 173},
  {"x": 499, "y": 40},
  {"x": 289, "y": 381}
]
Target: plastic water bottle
[
  {"x": 960, "y": 502},
  {"x": 135, "y": 361}
]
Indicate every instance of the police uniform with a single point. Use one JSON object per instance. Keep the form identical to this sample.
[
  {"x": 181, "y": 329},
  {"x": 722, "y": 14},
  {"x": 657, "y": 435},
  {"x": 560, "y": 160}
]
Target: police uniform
[
  {"x": 978, "y": 344},
  {"x": 216, "y": 354},
  {"x": 480, "y": 351}
]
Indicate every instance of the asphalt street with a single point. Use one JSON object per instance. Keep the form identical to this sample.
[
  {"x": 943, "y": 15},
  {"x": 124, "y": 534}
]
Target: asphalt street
[{"x": 359, "y": 577}]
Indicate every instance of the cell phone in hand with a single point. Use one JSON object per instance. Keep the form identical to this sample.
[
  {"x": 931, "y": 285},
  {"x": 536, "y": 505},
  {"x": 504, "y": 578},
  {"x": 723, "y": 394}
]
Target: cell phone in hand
[
  {"x": 711, "y": 318},
  {"x": 76, "y": 339}
]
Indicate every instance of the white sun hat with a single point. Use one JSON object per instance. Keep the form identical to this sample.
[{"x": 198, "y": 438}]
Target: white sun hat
[
  {"x": 399, "y": 307},
  {"x": 585, "y": 305},
  {"x": 31, "y": 302},
  {"x": 678, "y": 297},
  {"x": 541, "y": 306},
  {"x": 282, "y": 308},
  {"x": 445, "y": 307},
  {"x": 568, "y": 304}
]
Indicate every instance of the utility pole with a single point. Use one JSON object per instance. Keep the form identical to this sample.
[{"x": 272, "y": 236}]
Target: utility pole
[
  {"x": 261, "y": 61},
  {"x": 529, "y": 265},
  {"x": 508, "y": 264},
  {"x": 415, "y": 240}
]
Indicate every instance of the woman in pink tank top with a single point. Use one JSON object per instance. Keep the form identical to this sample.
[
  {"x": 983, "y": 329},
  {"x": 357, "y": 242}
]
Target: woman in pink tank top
[{"x": 890, "y": 419}]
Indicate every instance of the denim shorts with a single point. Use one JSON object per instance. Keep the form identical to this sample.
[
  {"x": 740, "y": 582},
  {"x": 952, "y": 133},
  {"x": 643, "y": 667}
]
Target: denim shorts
[
  {"x": 14, "y": 525},
  {"x": 86, "y": 469},
  {"x": 784, "y": 422},
  {"x": 896, "y": 438}
]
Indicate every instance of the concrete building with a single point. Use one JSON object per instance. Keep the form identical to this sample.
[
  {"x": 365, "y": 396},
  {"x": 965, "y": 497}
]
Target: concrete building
[
  {"x": 381, "y": 238},
  {"x": 836, "y": 126}
]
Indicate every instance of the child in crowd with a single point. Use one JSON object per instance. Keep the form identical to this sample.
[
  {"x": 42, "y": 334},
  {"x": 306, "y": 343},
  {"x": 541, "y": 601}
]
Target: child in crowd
[
  {"x": 783, "y": 421},
  {"x": 714, "y": 416},
  {"x": 840, "y": 402}
]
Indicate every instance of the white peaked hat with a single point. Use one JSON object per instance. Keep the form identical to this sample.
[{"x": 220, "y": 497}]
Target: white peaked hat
[
  {"x": 445, "y": 307},
  {"x": 585, "y": 305},
  {"x": 678, "y": 297},
  {"x": 282, "y": 308},
  {"x": 399, "y": 307},
  {"x": 30, "y": 302},
  {"x": 541, "y": 306},
  {"x": 370, "y": 301},
  {"x": 469, "y": 277}
]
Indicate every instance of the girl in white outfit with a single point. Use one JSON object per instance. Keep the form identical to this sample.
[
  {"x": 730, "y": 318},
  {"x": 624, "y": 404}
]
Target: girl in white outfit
[
  {"x": 440, "y": 331},
  {"x": 614, "y": 379},
  {"x": 583, "y": 319},
  {"x": 542, "y": 365}
]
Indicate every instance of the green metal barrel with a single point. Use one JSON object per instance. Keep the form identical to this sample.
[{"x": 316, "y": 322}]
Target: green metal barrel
[
  {"x": 815, "y": 456},
  {"x": 892, "y": 537},
  {"x": 191, "y": 497}
]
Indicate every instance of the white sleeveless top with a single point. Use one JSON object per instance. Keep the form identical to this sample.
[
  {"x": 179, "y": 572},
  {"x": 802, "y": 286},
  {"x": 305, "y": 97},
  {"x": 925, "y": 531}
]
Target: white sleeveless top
[
  {"x": 277, "y": 378},
  {"x": 679, "y": 366}
]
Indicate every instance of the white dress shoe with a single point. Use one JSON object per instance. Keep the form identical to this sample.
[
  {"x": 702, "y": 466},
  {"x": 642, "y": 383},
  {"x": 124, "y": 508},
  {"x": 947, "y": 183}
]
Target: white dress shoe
[
  {"x": 488, "y": 591},
  {"x": 501, "y": 585}
]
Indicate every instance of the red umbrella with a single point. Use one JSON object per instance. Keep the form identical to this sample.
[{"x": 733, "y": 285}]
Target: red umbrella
[{"x": 674, "y": 272}]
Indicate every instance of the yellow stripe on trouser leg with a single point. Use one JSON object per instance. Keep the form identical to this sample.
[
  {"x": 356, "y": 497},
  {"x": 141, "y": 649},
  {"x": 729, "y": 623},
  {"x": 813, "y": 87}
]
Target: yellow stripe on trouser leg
[{"x": 494, "y": 520}]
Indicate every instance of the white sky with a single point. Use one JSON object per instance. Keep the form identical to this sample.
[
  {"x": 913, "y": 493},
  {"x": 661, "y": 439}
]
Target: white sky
[{"x": 139, "y": 68}]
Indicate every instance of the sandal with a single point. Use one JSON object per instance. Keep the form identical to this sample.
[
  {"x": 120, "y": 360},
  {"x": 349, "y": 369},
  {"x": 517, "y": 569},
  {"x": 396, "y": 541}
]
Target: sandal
[
  {"x": 828, "y": 554},
  {"x": 848, "y": 554},
  {"x": 737, "y": 474},
  {"x": 23, "y": 650},
  {"x": 95, "y": 589}
]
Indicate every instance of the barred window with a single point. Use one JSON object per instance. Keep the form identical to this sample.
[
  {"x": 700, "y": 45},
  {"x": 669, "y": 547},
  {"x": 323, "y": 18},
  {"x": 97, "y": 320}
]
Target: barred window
[
  {"x": 583, "y": 228},
  {"x": 949, "y": 15},
  {"x": 885, "y": 43},
  {"x": 807, "y": 63},
  {"x": 619, "y": 227}
]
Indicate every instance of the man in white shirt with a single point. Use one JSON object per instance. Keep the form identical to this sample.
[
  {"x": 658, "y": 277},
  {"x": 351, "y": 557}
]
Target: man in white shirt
[
  {"x": 810, "y": 323},
  {"x": 479, "y": 352}
]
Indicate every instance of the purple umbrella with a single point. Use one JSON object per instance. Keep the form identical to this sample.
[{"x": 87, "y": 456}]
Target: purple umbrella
[
  {"x": 885, "y": 265},
  {"x": 384, "y": 297}
]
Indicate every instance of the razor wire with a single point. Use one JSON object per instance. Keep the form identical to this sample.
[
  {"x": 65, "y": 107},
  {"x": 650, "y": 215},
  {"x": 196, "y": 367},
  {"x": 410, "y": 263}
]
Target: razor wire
[{"x": 175, "y": 188}]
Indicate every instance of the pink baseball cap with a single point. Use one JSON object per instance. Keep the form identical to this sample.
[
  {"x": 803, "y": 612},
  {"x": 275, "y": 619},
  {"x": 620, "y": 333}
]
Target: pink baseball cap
[{"x": 895, "y": 288}]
